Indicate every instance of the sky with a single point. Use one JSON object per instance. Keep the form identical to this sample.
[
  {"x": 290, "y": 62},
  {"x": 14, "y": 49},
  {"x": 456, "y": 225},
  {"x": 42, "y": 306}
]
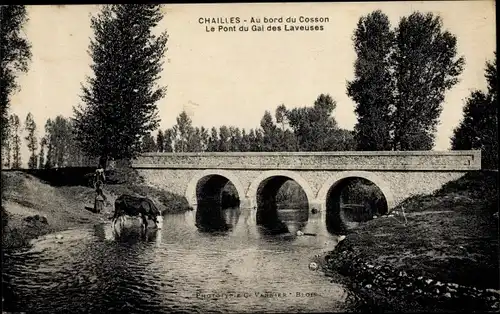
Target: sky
[{"x": 231, "y": 78}]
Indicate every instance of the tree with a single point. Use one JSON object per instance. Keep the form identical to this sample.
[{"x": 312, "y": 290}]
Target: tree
[
  {"x": 184, "y": 130},
  {"x": 62, "y": 148},
  {"x": 372, "y": 86},
  {"x": 224, "y": 137},
  {"x": 48, "y": 139},
  {"x": 269, "y": 133},
  {"x": 425, "y": 65},
  {"x": 257, "y": 139},
  {"x": 213, "y": 141},
  {"x": 74, "y": 155},
  {"x": 59, "y": 133},
  {"x": 401, "y": 77},
  {"x": 15, "y": 53},
  {"x": 245, "y": 141},
  {"x": 121, "y": 97},
  {"x": 168, "y": 141},
  {"x": 41, "y": 155},
  {"x": 313, "y": 126},
  {"x": 288, "y": 141},
  {"x": 148, "y": 144},
  {"x": 205, "y": 138},
  {"x": 32, "y": 140},
  {"x": 7, "y": 145},
  {"x": 344, "y": 140},
  {"x": 194, "y": 141},
  {"x": 16, "y": 141},
  {"x": 280, "y": 115},
  {"x": 235, "y": 141},
  {"x": 479, "y": 126},
  {"x": 160, "y": 141}
]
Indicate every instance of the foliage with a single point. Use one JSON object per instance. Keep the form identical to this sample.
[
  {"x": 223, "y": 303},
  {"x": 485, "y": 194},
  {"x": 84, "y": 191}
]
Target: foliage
[
  {"x": 7, "y": 146},
  {"x": 148, "y": 144},
  {"x": 15, "y": 53},
  {"x": 269, "y": 133},
  {"x": 314, "y": 126},
  {"x": 401, "y": 77},
  {"x": 213, "y": 140},
  {"x": 167, "y": 142},
  {"x": 160, "y": 141},
  {"x": 195, "y": 142},
  {"x": 16, "y": 141},
  {"x": 121, "y": 97},
  {"x": 479, "y": 126},
  {"x": 58, "y": 134},
  {"x": 426, "y": 66},
  {"x": 224, "y": 137},
  {"x": 62, "y": 147},
  {"x": 280, "y": 115},
  {"x": 41, "y": 154},
  {"x": 372, "y": 87},
  {"x": 183, "y": 131},
  {"x": 32, "y": 140}
]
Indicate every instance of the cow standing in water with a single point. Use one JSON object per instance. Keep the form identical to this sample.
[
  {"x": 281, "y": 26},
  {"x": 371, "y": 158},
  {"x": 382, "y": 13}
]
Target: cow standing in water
[{"x": 137, "y": 206}]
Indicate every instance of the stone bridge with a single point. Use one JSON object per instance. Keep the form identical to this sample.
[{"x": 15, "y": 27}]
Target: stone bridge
[{"x": 398, "y": 174}]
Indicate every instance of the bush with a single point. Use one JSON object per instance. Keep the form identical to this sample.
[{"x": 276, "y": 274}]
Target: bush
[
  {"x": 169, "y": 202},
  {"x": 123, "y": 173}
]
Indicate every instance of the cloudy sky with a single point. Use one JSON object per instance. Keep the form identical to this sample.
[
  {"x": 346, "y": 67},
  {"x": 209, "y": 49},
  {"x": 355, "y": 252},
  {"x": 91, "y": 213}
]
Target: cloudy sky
[{"x": 231, "y": 78}]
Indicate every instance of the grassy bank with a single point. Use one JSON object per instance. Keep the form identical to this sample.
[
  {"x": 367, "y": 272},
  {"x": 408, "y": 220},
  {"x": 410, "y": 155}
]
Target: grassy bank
[
  {"x": 445, "y": 257},
  {"x": 34, "y": 208}
]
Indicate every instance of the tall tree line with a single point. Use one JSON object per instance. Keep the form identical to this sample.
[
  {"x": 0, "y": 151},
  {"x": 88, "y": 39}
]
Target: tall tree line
[
  {"x": 401, "y": 76},
  {"x": 56, "y": 148},
  {"x": 309, "y": 128}
]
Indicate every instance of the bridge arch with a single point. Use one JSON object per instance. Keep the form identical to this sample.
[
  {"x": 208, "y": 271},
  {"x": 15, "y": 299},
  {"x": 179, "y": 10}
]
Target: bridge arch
[
  {"x": 295, "y": 176},
  {"x": 370, "y": 176},
  {"x": 193, "y": 183}
]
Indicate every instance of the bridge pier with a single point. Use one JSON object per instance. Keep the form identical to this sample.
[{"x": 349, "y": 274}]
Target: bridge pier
[
  {"x": 316, "y": 224},
  {"x": 246, "y": 203}
]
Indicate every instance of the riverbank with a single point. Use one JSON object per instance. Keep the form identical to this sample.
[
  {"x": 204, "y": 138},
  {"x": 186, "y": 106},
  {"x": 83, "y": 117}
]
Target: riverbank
[
  {"x": 440, "y": 255},
  {"x": 34, "y": 208}
]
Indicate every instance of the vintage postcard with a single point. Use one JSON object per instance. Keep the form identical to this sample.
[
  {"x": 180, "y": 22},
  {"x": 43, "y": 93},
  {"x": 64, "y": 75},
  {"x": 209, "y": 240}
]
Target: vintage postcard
[{"x": 249, "y": 158}]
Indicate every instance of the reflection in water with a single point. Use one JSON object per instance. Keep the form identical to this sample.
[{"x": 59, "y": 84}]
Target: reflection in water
[
  {"x": 211, "y": 217},
  {"x": 353, "y": 201},
  {"x": 124, "y": 275},
  {"x": 268, "y": 218},
  {"x": 269, "y": 214},
  {"x": 173, "y": 269}
]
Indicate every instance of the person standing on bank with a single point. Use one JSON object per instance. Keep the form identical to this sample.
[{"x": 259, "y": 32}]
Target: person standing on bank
[
  {"x": 99, "y": 198},
  {"x": 99, "y": 183}
]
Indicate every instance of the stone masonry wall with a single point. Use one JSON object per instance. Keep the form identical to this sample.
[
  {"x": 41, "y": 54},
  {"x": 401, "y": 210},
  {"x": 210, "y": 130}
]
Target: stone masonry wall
[
  {"x": 396, "y": 185},
  {"x": 386, "y": 160}
]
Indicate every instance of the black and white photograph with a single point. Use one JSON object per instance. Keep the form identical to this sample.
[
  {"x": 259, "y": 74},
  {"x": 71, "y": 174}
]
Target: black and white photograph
[{"x": 300, "y": 157}]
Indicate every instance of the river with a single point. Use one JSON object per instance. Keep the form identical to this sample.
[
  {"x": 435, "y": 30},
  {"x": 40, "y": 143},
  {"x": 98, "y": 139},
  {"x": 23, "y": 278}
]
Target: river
[{"x": 175, "y": 269}]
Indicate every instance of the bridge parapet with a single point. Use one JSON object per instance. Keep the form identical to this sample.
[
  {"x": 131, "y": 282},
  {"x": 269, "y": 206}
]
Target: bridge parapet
[{"x": 345, "y": 160}]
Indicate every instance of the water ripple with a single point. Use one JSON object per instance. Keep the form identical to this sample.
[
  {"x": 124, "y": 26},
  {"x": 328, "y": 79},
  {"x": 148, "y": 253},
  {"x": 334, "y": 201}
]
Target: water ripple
[{"x": 176, "y": 269}]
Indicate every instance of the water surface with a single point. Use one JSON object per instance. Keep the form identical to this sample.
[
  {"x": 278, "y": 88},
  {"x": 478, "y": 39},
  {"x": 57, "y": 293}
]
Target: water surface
[{"x": 175, "y": 269}]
